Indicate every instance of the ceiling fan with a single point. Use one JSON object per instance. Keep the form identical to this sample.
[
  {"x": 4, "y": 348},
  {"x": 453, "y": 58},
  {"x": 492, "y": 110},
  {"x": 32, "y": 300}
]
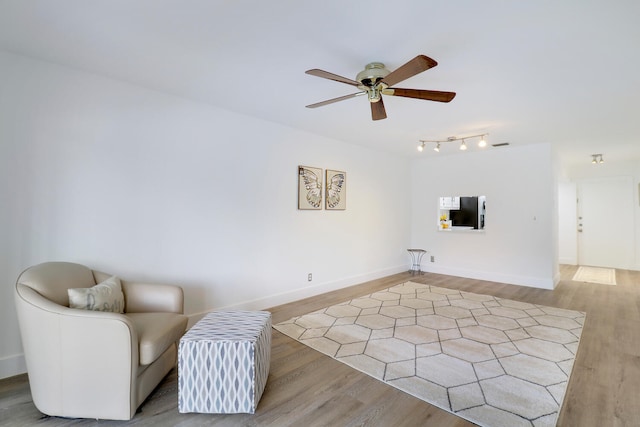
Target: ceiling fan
[{"x": 375, "y": 80}]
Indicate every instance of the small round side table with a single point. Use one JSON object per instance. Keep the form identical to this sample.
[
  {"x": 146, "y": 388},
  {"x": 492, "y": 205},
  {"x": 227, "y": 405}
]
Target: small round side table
[{"x": 416, "y": 260}]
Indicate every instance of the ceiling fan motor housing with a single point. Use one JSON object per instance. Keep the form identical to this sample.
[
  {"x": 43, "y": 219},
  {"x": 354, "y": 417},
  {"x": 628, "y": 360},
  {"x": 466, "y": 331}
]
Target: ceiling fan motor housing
[{"x": 369, "y": 78}]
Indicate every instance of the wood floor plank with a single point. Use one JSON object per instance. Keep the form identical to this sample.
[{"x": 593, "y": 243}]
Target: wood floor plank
[{"x": 307, "y": 388}]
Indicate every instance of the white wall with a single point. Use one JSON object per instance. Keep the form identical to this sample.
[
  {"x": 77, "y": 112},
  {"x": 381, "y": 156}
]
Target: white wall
[
  {"x": 153, "y": 187},
  {"x": 519, "y": 244}
]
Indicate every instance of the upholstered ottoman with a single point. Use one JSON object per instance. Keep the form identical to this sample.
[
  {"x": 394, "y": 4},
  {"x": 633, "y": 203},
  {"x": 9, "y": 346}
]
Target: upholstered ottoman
[{"x": 223, "y": 362}]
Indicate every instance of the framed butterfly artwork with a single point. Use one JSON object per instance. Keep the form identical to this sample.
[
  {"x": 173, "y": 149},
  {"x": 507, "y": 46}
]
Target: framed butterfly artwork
[
  {"x": 309, "y": 188},
  {"x": 336, "y": 190}
]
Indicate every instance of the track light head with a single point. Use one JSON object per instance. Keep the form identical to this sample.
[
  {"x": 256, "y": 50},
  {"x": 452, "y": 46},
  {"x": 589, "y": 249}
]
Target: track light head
[{"x": 482, "y": 143}]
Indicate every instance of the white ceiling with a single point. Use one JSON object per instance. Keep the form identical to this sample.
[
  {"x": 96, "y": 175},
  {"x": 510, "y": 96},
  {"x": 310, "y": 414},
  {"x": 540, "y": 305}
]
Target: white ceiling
[{"x": 563, "y": 72}]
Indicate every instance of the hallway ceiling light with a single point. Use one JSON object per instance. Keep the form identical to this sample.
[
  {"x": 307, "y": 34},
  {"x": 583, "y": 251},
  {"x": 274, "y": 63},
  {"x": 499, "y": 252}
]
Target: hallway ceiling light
[
  {"x": 463, "y": 145},
  {"x": 596, "y": 159},
  {"x": 421, "y": 147},
  {"x": 437, "y": 148}
]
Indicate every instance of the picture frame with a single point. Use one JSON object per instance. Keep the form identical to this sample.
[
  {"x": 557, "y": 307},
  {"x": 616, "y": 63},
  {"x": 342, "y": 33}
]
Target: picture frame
[
  {"x": 335, "y": 190},
  {"x": 309, "y": 188}
]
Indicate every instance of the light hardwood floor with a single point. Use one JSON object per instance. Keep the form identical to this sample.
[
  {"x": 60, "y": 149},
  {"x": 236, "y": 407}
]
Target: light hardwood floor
[{"x": 306, "y": 388}]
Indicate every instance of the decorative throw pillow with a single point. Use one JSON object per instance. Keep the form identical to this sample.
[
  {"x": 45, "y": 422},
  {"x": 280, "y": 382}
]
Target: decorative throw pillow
[{"x": 105, "y": 296}]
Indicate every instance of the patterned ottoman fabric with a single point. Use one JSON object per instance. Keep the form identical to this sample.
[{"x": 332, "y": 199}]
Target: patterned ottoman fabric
[{"x": 223, "y": 362}]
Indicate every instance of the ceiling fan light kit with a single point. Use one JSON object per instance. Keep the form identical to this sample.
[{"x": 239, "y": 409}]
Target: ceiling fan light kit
[{"x": 375, "y": 80}]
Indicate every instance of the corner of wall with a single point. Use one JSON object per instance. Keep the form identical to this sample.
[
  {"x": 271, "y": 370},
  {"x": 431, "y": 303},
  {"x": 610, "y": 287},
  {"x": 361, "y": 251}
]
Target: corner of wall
[{"x": 12, "y": 365}]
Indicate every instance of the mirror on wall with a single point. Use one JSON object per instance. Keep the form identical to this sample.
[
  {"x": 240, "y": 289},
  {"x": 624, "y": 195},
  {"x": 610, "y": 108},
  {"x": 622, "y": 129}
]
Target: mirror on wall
[{"x": 462, "y": 213}]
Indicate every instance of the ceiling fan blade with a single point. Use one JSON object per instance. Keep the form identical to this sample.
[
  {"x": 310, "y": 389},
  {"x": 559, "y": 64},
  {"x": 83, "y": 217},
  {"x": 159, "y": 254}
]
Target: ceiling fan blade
[
  {"x": 377, "y": 110},
  {"x": 331, "y": 101},
  {"x": 430, "y": 95},
  {"x": 417, "y": 65},
  {"x": 327, "y": 75}
]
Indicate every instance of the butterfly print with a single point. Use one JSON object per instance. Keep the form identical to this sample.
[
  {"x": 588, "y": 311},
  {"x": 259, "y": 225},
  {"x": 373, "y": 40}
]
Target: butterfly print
[
  {"x": 313, "y": 185},
  {"x": 333, "y": 190}
]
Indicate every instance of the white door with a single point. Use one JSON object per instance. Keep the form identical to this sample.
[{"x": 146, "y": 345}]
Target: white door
[
  {"x": 606, "y": 222},
  {"x": 567, "y": 223}
]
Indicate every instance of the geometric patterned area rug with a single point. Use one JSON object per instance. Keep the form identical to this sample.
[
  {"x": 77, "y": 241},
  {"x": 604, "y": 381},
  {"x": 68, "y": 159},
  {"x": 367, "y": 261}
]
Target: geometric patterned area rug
[
  {"x": 603, "y": 276},
  {"x": 492, "y": 361}
]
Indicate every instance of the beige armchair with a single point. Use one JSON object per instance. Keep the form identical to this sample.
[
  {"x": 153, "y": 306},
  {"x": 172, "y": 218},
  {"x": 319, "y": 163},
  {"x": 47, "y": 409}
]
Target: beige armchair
[{"x": 93, "y": 364}]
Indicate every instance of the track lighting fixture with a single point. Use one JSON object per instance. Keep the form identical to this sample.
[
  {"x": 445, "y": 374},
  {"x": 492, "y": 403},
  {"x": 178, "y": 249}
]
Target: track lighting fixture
[
  {"x": 596, "y": 158},
  {"x": 463, "y": 143}
]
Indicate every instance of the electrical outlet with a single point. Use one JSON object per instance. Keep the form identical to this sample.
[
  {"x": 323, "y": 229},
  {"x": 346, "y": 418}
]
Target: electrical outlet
[
  {"x": 310, "y": 277},
  {"x": 433, "y": 258}
]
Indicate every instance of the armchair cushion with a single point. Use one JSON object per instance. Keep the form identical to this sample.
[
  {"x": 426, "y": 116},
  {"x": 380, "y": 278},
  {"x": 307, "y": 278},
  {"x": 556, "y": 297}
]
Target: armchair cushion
[
  {"x": 156, "y": 333},
  {"x": 105, "y": 296}
]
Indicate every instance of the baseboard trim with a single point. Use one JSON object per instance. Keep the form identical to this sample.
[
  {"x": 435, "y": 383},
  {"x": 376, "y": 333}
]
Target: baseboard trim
[
  {"x": 12, "y": 365},
  {"x": 309, "y": 291},
  {"x": 298, "y": 294},
  {"x": 534, "y": 282}
]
